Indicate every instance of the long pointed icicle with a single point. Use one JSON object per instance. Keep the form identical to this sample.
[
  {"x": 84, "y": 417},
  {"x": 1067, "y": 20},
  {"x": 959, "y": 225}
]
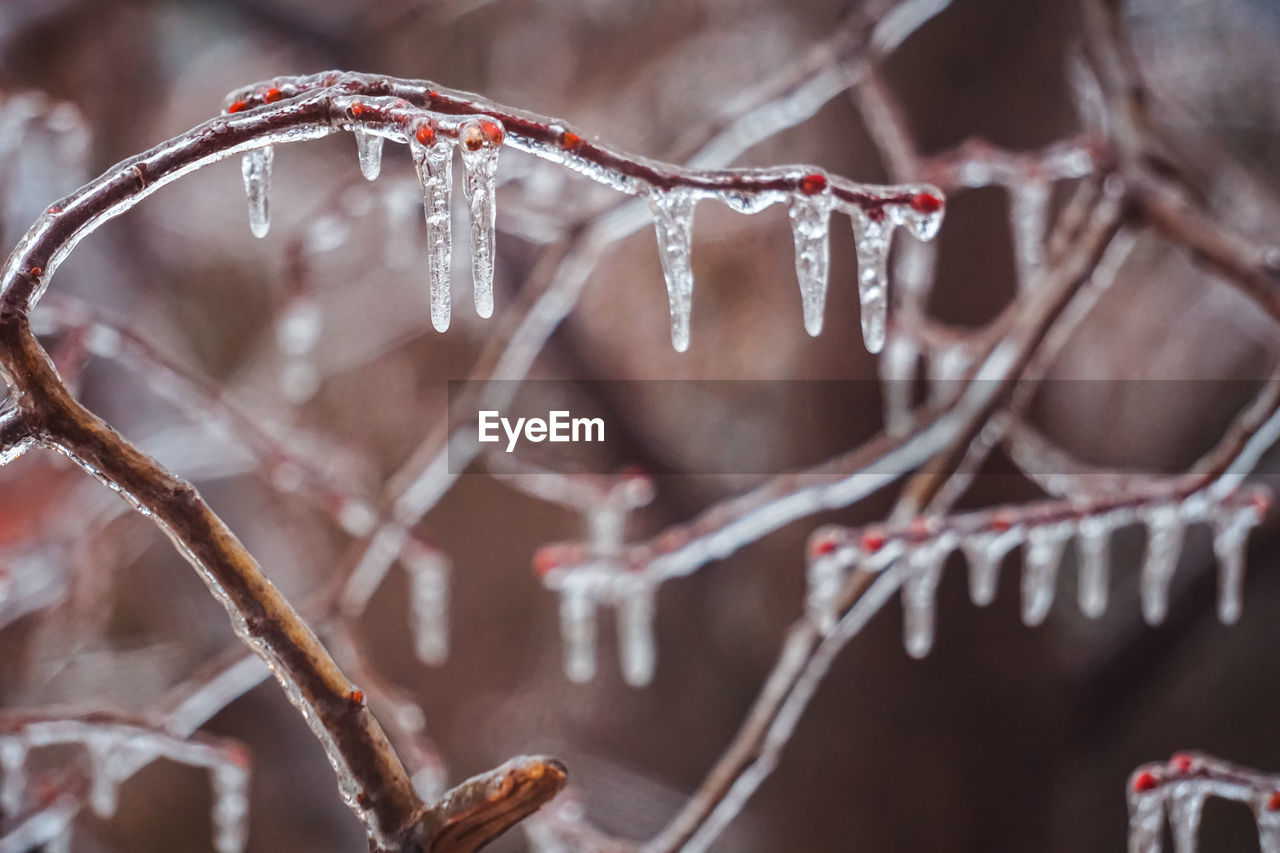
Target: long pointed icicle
[
  {"x": 810, "y": 228},
  {"x": 635, "y": 634},
  {"x": 872, "y": 237},
  {"x": 919, "y": 597},
  {"x": 256, "y": 169},
  {"x": 369, "y": 150},
  {"x": 480, "y": 145},
  {"x": 230, "y": 784},
  {"x": 673, "y": 220},
  {"x": 1093, "y": 546},
  {"x": 1040, "y": 571},
  {"x": 1230, "y": 535},
  {"x": 578, "y": 631},
  {"x": 433, "y": 159},
  {"x": 1185, "y": 806},
  {"x": 1165, "y": 532},
  {"x": 984, "y": 552},
  {"x": 13, "y": 779},
  {"x": 428, "y": 603}
]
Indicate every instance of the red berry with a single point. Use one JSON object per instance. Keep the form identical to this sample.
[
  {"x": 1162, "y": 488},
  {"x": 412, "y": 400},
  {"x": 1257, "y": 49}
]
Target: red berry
[
  {"x": 1273, "y": 802},
  {"x": 926, "y": 203},
  {"x": 1001, "y": 523},
  {"x": 570, "y": 141},
  {"x": 237, "y": 107},
  {"x": 813, "y": 184},
  {"x": 544, "y": 561},
  {"x": 426, "y": 134},
  {"x": 357, "y": 109},
  {"x": 1144, "y": 782},
  {"x": 35, "y": 272},
  {"x": 823, "y": 546},
  {"x": 872, "y": 541},
  {"x": 492, "y": 131},
  {"x": 1180, "y": 762},
  {"x": 271, "y": 95},
  {"x": 356, "y": 697},
  {"x": 239, "y": 755}
]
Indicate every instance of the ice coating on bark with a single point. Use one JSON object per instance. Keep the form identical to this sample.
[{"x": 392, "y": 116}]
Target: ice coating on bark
[
  {"x": 369, "y": 151},
  {"x": 810, "y": 229},
  {"x": 673, "y": 221},
  {"x": 256, "y": 169},
  {"x": 434, "y": 164},
  {"x": 480, "y": 167}
]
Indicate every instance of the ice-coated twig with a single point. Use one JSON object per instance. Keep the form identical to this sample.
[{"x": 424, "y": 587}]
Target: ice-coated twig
[
  {"x": 114, "y": 749},
  {"x": 1176, "y": 791},
  {"x": 1044, "y": 529},
  {"x": 792, "y": 95}
]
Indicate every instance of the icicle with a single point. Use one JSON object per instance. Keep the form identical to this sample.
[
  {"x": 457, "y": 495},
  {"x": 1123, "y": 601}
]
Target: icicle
[
  {"x": 1028, "y": 218},
  {"x": 1040, "y": 571},
  {"x": 635, "y": 633},
  {"x": 434, "y": 164},
  {"x": 230, "y": 807},
  {"x": 673, "y": 220},
  {"x": 369, "y": 150},
  {"x": 898, "y": 372},
  {"x": 59, "y": 842},
  {"x": 256, "y": 169},
  {"x": 919, "y": 596},
  {"x": 428, "y": 603},
  {"x": 1268, "y": 825},
  {"x": 103, "y": 785},
  {"x": 13, "y": 759},
  {"x": 826, "y": 576},
  {"x": 480, "y": 162},
  {"x": 1186, "y": 804},
  {"x": 1165, "y": 533},
  {"x": 1093, "y": 547},
  {"x": 1146, "y": 821},
  {"x": 810, "y": 228},
  {"x": 984, "y": 552},
  {"x": 1231, "y": 527},
  {"x": 871, "y": 237},
  {"x": 578, "y": 630}
]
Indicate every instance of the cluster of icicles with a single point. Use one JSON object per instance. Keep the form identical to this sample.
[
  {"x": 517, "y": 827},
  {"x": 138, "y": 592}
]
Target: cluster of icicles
[
  {"x": 811, "y": 197},
  {"x": 115, "y": 751},
  {"x": 591, "y": 574},
  {"x": 1178, "y": 790},
  {"x": 1043, "y": 531}
]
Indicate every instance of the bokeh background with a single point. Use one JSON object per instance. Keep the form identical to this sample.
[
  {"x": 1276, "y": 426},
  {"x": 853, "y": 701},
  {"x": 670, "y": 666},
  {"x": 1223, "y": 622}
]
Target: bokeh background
[{"x": 1003, "y": 739}]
